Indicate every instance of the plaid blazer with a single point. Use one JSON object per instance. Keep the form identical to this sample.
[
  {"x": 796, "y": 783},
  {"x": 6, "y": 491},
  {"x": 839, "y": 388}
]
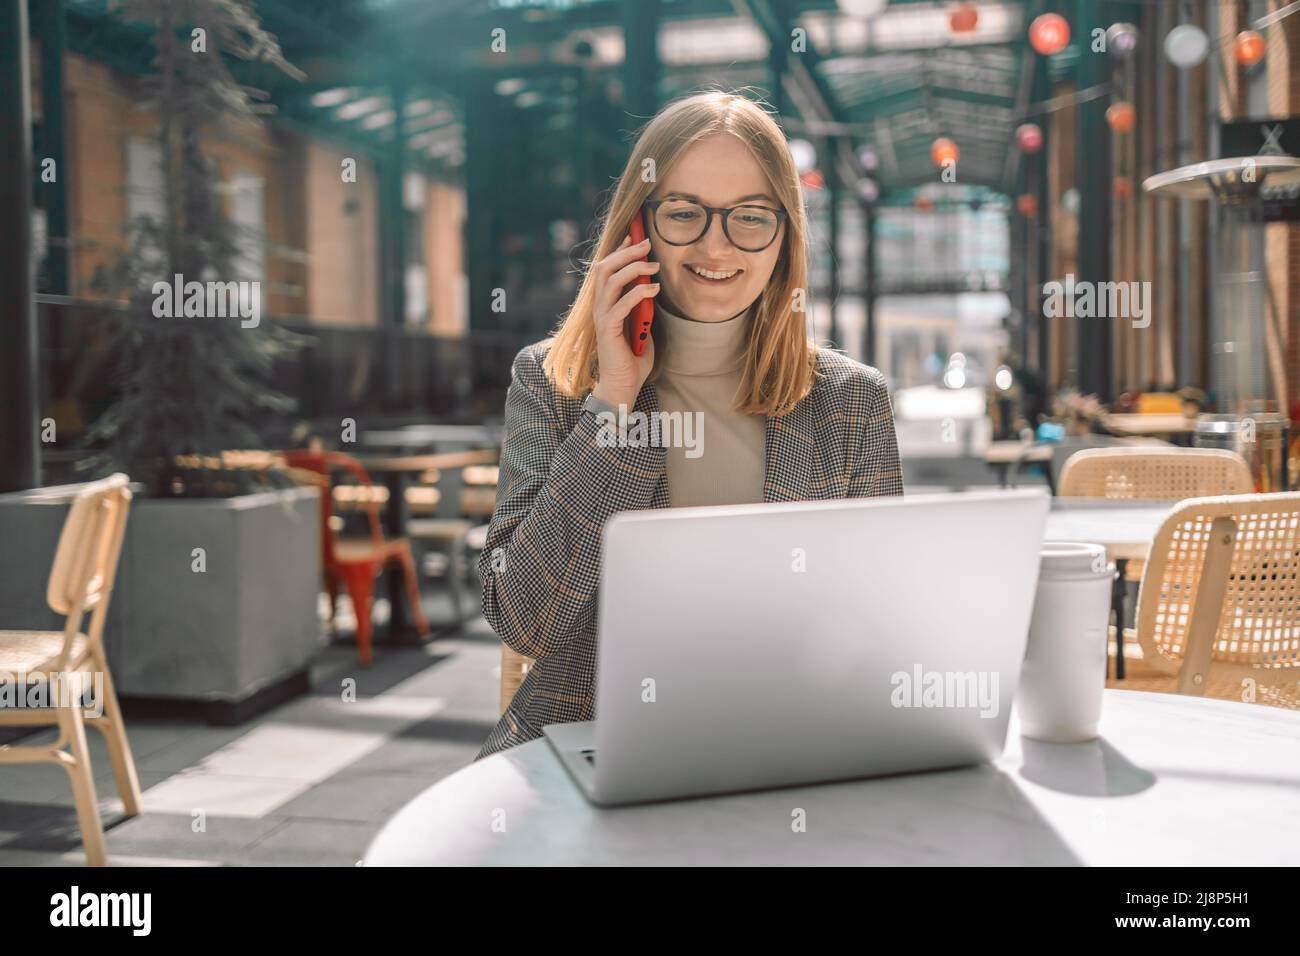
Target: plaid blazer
[{"x": 541, "y": 565}]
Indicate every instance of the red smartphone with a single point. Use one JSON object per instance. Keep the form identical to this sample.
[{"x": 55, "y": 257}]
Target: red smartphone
[{"x": 636, "y": 327}]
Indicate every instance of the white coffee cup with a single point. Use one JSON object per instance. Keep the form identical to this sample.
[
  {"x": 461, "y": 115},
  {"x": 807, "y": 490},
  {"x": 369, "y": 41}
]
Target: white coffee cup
[{"x": 1064, "y": 672}]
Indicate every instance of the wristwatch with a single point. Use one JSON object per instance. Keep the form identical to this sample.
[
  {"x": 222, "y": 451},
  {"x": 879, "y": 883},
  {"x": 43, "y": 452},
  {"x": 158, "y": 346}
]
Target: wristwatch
[{"x": 596, "y": 406}]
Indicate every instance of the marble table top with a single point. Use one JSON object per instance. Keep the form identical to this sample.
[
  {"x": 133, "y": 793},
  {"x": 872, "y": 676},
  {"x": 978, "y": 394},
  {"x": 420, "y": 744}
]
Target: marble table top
[
  {"x": 1126, "y": 528},
  {"x": 1171, "y": 781}
]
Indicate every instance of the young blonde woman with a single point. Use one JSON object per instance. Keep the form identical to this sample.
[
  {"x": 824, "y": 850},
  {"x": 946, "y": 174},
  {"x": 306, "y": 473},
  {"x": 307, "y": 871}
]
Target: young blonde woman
[{"x": 783, "y": 420}]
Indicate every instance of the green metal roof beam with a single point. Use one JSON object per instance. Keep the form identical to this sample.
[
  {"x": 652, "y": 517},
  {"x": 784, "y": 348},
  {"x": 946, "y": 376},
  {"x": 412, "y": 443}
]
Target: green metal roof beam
[{"x": 885, "y": 105}]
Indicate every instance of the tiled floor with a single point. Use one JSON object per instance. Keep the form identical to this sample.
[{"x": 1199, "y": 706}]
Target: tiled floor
[{"x": 308, "y": 783}]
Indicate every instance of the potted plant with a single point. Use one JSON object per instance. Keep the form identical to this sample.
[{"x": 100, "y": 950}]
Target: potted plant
[{"x": 217, "y": 586}]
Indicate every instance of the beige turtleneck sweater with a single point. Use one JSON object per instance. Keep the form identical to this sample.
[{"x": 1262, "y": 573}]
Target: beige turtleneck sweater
[{"x": 700, "y": 373}]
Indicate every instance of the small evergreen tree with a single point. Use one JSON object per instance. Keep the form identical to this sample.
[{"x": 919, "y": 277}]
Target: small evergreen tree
[{"x": 190, "y": 386}]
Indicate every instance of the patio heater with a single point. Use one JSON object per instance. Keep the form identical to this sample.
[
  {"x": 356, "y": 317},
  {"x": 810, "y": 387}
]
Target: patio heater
[{"x": 1248, "y": 418}]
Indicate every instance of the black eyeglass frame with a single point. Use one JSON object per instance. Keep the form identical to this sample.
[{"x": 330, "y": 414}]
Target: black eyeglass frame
[{"x": 709, "y": 212}]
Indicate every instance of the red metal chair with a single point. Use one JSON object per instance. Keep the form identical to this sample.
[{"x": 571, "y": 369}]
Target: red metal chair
[{"x": 356, "y": 561}]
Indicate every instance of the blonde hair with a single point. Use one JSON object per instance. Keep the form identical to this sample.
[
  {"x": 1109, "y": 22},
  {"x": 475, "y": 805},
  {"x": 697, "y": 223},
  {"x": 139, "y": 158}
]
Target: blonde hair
[{"x": 780, "y": 361}]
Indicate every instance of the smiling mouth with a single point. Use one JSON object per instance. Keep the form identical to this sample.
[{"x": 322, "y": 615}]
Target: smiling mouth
[{"x": 713, "y": 277}]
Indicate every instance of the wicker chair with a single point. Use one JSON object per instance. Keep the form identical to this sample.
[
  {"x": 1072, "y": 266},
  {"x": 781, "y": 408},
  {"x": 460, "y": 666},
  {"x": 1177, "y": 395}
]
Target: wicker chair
[
  {"x": 514, "y": 667},
  {"x": 1219, "y": 607},
  {"x": 72, "y": 660},
  {"x": 1155, "y": 474}
]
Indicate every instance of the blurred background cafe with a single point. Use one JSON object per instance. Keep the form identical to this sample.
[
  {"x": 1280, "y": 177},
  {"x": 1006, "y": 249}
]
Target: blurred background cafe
[{"x": 1064, "y": 230}]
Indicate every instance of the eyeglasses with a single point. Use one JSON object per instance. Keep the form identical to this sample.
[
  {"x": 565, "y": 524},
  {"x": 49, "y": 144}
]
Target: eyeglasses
[{"x": 681, "y": 222}]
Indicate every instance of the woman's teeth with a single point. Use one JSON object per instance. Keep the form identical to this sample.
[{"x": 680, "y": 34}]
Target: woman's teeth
[{"x": 717, "y": 276}]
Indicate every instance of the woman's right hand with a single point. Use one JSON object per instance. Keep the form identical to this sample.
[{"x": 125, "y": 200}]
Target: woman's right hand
[{"x": 622, "y": 372}]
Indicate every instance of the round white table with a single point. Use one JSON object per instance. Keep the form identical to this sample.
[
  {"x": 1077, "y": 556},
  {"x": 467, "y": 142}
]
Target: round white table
[
  {"x": 1126, "y": 528},
  {"x": 1172, "y": 781}
]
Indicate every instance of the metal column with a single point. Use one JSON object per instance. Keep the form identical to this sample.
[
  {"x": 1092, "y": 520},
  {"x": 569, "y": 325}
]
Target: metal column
[
  {"x": 777, "y": 56},
  {"x": 641, "y": 57},
  {"x": 19, "y": 447},
  {"x": 1094, "y": 335},
  {"x": 392, "y": 252},
  {"x": 869, "y": 291},
  {"x": 1187, "y": 374},
  {"x": 56, "y": 193},
  {"x": 483, "y": 123},
  {"x": 833, "y": 193},
  {"x": 393, "y": 216},
  {"x": 1039, "y": 232}
]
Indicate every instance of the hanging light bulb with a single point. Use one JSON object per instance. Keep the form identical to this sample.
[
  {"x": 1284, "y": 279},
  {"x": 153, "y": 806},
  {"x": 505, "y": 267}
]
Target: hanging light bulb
[
  {"x": 1049, "y": 33},
  {"x": 1121, "y": 40},
  {"x": 1249, "y": 47},
  {"x": 1029, "y": 137},
  {"x": 1027, "y": 205},
  {"x": 804, "y": 154},
  {"x": 924, "y": 204},
  {"x": 1186, "y": 46},
  {"x": 1123, "y": 187},
  {"x": 869, "y": 159},
  {"x": 965, "y": 18},
  {"x": 813, "y": 179},
  {"x": 944, "y": 151},
  {"x": 864, "y": 9},
  {"x": 868, "y": 189},
  {"x": 1070, "y": 200},
  {"x": 1121, "y": 117}
]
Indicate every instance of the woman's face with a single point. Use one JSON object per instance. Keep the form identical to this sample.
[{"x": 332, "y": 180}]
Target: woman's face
[{"x": 717, "y": 171}]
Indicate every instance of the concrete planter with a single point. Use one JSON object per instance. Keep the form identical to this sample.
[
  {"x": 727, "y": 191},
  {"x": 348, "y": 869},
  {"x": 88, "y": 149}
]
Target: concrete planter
[{"x": 246, "y": 624}]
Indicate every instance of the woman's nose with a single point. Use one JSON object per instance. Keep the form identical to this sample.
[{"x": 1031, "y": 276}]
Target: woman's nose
[{"x": 715, "y": 239}]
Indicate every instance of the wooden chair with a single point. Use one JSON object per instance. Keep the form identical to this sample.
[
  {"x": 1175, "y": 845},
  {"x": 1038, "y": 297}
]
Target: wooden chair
[
  {"x": 1155, "y": 474},
  {"x": 356, "y": 561},
  {"x": 71, "y": 661},
  {"x": 448, "y": 536},
  {"x": 514, "y": 668},
  {"x": 470, "y": 490},
  {"x": 1219, "y": 606},
  {"x": 1159, "y": 403}
]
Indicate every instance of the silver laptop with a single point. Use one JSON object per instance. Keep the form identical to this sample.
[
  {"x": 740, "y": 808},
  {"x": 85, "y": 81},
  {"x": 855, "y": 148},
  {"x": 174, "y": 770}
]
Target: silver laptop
[{"x": 769, "y": 645}]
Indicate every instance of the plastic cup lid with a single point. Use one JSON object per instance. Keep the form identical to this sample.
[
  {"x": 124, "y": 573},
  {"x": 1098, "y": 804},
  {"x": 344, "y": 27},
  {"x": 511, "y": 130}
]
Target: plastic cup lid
[{"x": 1073, "y": 557}]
